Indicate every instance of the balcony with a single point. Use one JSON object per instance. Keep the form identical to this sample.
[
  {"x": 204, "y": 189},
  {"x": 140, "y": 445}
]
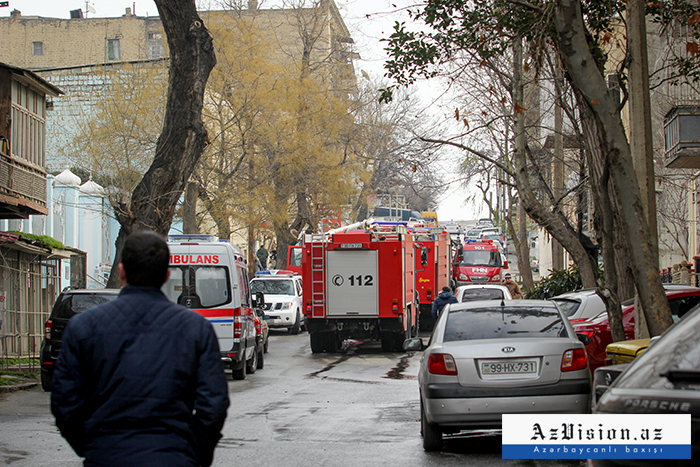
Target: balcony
[{"x": 682, "y": 138}]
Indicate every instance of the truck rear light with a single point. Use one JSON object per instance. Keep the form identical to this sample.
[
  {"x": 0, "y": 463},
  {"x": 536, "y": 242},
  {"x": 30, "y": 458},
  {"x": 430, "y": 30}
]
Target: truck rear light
[
  {"x": 237, "y": 323},
  {"x": 48, "y": 329},
  {"x": 309, "y": 308},
  {"x": 574, "y": 359},
  {"x": 395, "y": 305},
  {"x": 441, "y": 364},
  {"x": 430, "y": 294}
]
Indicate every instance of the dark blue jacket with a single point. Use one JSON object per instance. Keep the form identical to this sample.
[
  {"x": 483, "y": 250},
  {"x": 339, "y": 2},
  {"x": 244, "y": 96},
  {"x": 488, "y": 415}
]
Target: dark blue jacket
[
  {"x": 443, "y": 299},
  {"x": 139, "y": 382}
]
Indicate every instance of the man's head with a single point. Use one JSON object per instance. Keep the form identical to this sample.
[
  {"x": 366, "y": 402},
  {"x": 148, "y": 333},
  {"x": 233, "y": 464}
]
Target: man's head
[
  {"x": 446, "y": 289},
  {"x": 145, "y": 259},
  {"x": 507, "y": 277}
]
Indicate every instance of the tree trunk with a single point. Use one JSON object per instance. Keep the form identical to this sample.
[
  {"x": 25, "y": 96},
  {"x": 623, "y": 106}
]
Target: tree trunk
[
  {"x": 184, "y": 137},
  {"x": 189, "y": 209},
  {"x": 584, "y": 75},
  {"x": 553, "y": 222}
]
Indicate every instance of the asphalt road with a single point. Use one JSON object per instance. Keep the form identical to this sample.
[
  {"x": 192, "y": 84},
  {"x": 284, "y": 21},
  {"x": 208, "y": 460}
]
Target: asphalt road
[{"x": 354, "y": 408}]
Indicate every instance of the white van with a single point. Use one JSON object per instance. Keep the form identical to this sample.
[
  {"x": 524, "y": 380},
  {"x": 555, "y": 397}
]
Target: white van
[{"x": 211, "y": 277}]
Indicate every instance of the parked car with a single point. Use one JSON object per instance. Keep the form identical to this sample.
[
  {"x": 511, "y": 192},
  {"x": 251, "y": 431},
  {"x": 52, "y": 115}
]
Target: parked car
[
  {"x": 663, "y": 380},
  {"x": 69, "y": 303},
  {"x": 488, "y": 358},
  {"x": 580, "y": 305},
  {"x": 262, "y": 337},
  {"x": 470, "y": 293},
  {"x": 283, "y": 299},
  {"x": 680, "y": 297}
]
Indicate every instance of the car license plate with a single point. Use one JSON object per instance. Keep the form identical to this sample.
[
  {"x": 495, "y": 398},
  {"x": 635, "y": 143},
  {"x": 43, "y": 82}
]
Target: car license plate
[{"x": 509, "y": 367}]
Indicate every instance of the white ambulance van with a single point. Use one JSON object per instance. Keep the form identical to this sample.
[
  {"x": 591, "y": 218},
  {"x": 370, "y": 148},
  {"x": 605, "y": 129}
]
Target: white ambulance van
[{"x": 211, "y": 277}]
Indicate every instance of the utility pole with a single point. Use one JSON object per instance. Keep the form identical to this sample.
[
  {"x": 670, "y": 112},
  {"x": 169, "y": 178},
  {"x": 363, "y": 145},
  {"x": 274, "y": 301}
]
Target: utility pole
[{"x": 641, "y": 141}]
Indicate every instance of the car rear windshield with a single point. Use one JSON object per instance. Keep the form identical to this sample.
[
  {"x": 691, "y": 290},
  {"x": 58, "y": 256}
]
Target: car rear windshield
[
  {"x": 569, "y": 307},
  {"x": 503, "y": 322},
  {"x": 469, "y": 295},
  {"x": 69, "y": 305}
]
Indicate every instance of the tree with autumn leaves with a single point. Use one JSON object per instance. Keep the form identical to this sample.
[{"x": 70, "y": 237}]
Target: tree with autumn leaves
[{"x": 572, "y": 36}]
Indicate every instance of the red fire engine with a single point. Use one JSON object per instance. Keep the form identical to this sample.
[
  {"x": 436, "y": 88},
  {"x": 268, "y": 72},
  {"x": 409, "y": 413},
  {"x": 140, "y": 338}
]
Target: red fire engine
[
  {"x": 359, "y": 284},
  {"x": 478, "y": 262},
  {"x": 435, "y": 249}
]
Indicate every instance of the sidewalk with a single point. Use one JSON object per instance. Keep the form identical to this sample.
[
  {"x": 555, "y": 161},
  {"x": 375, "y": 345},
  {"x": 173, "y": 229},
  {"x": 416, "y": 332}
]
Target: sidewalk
[{"x": 11, "y": 383}]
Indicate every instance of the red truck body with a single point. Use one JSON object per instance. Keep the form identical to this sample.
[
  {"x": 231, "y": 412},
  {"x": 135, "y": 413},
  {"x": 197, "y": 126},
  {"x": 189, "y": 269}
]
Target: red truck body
[
  {"x": 360, "y": 285},
  {"x": 435, "y": 273}
]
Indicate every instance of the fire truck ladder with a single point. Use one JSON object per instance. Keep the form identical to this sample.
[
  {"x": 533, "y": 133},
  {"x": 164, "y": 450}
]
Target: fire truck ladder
[{"x": 318, "y": 274}]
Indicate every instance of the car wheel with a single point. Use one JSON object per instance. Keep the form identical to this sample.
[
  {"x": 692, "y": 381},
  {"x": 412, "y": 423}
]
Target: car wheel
[
  {"x": 46, "y": 381},
  {"x": 261, "y": 360},
  {"x": 294, "y": 330},
  {"x": 432, "y": 435},
  {"x": 239, "y": 373},
  {"x": 252, "y": 364}
]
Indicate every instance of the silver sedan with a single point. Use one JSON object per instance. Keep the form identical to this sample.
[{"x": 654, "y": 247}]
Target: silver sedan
[{"x": 488, "y": 358}]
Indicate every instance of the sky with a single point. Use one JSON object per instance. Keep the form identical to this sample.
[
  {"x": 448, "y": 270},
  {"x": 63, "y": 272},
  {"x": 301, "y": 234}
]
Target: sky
[{"x": 368, "y": 21}]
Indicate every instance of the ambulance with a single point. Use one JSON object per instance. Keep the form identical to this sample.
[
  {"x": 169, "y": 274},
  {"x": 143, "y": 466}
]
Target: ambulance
[{"x": 211, "y": 278}]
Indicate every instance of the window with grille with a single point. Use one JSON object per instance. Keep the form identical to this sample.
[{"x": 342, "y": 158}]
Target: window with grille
[{"x": 38, "y": 48}]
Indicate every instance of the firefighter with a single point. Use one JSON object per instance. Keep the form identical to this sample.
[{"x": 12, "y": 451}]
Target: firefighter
[
  {"x": 513, "y": 287},
  {"x": 443, "y": 299}
]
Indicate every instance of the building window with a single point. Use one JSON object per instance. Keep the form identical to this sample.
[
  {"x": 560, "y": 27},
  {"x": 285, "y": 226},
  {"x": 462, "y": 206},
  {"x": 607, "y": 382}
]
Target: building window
[
  {"x": 38, "y": 48},
  {"x": 113, "y": 49}
]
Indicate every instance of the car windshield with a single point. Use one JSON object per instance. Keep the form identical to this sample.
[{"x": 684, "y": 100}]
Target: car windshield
[
  {"x": 502, "y": 323},
  {"x": 272, "y": 287},
  {"x": 569, "y": 307},
  {"x": 469, "y": 295},
  {"x": 673, "y": 362},
  {"x": 481, "y": 258}
]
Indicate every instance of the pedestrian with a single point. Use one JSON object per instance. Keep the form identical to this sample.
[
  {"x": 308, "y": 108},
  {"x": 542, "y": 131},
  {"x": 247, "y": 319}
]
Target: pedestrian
[
  {"x": 513, "y": 287},
  {"x": 139, "y": 380},
  {"x": 262, "y": 256},
  {"x": 443, "y": 299}
]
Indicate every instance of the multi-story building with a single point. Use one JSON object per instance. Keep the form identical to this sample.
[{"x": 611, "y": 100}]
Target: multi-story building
[{"x": 30, "y": 269}]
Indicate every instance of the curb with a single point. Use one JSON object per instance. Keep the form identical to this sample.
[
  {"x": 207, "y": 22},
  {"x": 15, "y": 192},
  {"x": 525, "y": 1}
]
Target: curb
[{"x": 18, "y": 387}]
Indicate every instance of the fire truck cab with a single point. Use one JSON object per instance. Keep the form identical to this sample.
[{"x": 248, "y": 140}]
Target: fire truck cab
[
  {"x": 478, "y": 262},
  {"x": 360, "y": 284}
]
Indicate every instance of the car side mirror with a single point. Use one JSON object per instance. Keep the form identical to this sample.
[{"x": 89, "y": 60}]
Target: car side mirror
[
  {"x": 414, "y": 344},
  {"x": 505, "y": 264},
  {"x": 259, "y": 300},
  {"x": 583, "y": 338}
]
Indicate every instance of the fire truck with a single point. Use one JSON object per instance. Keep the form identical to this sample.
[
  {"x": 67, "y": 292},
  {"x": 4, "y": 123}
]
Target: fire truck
[
  {"x": 436, "y": 250},
  {"x": 360, "y": 284},
  {"x": 478, "y": 262}
]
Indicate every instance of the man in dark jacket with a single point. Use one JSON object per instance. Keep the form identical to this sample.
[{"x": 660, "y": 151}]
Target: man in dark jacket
[
  {"x": 443, "y": 299},
  {"x": 139, "y": 380}
]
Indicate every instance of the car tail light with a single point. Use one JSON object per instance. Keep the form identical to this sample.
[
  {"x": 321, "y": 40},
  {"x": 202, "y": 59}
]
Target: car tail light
[
  {"x": 258, "y": 326},
  {"x": 588, "y": 334},
  {"x": 48, "y": 329},
  {"x": 237, "y": 323},
  {"x": 441, "y": 364},
  {"x": 574, "y": 359},
  {"x": 578, "y": 320}
]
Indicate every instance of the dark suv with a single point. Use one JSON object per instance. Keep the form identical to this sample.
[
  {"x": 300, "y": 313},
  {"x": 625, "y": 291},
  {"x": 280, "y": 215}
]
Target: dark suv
[{"x": 68, "y": 304}]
